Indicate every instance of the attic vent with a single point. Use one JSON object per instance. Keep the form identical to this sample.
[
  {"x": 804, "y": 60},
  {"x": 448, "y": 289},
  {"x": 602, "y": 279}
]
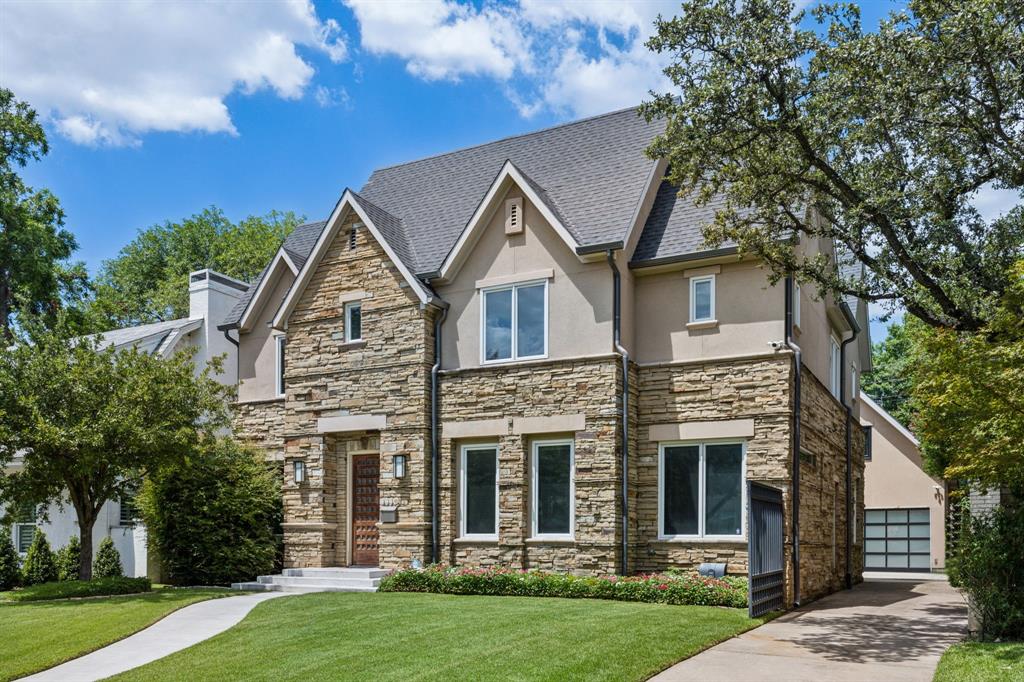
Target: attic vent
[
  {"x": 514, "y": 216},
  {"x": 352, "y": 238}
]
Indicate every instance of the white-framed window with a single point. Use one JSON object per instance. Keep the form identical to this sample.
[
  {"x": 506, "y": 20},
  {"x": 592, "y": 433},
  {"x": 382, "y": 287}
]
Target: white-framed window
[
  {"x": 553, "y": 490},
  {"x": 702, "y": 298},
  {"x": 796, "y": 304},
  {"x": 353, "y": 321},
  {"x": 701, "y": 490},
  {"x": 478, "y": 491},
  {"x": 514, "y": 322},
  {"x": 25, "y": 528},
  {"x": 834, "y": 367},
  {"x": 279, "y": 342},
  {"x": 128, "y": 512}
]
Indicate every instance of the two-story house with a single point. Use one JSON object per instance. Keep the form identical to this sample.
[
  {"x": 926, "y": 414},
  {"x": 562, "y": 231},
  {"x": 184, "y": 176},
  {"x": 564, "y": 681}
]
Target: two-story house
[{"x": 522, "y": 354}]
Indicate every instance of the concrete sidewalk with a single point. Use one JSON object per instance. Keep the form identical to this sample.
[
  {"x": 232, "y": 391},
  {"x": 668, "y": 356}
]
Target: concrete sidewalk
[
  {"x": 880, "y": 630},
  {"x": 178, "y": 631}
]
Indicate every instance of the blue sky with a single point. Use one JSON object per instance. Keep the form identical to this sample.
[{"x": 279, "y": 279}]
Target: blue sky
[{"x": 157, "y": 111}]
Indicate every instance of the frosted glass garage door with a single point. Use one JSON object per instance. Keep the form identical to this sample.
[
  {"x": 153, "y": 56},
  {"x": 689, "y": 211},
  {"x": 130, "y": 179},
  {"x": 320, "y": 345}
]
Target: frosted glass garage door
[{"x": 897, "y": 540}]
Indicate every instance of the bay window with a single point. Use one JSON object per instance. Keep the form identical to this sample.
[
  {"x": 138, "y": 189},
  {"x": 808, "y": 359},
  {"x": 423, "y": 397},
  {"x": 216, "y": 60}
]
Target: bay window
[
  {"x": 701, "y": 490},
  {"x": 478, "y": 492},
  {"x": 552, "y": 490},
  {"x": 515, "y": 323}
]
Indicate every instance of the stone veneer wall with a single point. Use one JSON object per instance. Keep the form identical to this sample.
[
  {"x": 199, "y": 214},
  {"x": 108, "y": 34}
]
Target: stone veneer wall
[
  {"x": 261, "y": 424},
  {"x": 755, "y": 389},
  {"x": 586, "y": 386},
  {"x": 386, "y": 373},
  {"x": 823, "y": 493}
]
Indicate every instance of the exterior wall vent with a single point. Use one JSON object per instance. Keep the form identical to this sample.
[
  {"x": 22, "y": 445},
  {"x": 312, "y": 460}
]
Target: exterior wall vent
[
  {"x": 514, "y": 216},
  {"x": 352, "y": 238}
]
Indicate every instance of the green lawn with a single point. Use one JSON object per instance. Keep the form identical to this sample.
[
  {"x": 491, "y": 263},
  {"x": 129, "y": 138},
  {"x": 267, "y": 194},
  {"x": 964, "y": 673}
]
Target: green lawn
[
  {"x": 403, "y": 636},
  {"x": 982, "y": 662},
  {"x": 38, "y": 635}
]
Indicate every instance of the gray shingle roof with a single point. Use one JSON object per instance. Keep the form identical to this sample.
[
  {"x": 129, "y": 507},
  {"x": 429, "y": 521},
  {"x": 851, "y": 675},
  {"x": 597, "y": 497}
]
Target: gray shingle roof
[
  {"x": 298, "y": 246},
  {"x": 130, "y": 335},
  {"x": 674, "y": 226}
]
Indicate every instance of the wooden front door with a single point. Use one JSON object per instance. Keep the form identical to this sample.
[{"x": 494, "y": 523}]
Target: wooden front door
[{"x": 365, "y": 509}]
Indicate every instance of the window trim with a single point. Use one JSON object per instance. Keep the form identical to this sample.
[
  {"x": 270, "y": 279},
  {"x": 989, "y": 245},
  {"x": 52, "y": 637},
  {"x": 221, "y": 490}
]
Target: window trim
[
  {"x": 534, "y": 450},
  {"x": 280, "y": 341},
  {"x": 349, "y": 307},
  {"x": 463, "y": 449},
  {"x": 834, "y": 367},
  {"x": 796, "y": 305},
  {"x": 514, "y": 287},
  {"x": 701, "y": 490},
  {"x": 694, "y": 281}
]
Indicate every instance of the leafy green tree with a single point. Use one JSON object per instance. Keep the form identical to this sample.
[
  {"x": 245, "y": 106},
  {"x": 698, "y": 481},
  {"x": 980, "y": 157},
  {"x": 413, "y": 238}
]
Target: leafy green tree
[
  {"x": 887, "y": 135},
  {"x": 10, "y": 562},
  {"x": 40, "y": 565},
  {"x": 35, "y": 274},
  {"x": 212, "y": 519},
  {"x": 93, "y": 421},
  {"x": 890, "y": 381},
  {"x": 69, "y": 560},
  {"x": 968, "y": 395},
  {"x": 148, "y": 280},
  {"x": 107, "y": 563}
]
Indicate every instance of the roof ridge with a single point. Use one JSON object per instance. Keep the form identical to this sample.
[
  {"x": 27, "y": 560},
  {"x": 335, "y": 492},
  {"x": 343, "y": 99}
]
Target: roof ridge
[
  {"x": 401, "y": 227},
  {"x": 505, "y": 139}
]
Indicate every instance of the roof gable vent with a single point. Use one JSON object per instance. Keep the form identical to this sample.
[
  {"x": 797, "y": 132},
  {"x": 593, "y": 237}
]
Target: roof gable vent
[{"x": 514, "y": 216}]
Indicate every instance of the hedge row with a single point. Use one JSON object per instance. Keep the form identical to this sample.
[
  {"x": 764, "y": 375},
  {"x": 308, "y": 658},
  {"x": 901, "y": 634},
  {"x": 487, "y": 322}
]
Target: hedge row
[
  {"x": 661, "y": 588},
  {"x": 98, "y": 587}
]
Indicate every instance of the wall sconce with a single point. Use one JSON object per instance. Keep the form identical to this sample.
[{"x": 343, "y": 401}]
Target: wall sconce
[
  {"x": 300, "y": 471},
  {"x": 399, "y": 462}
]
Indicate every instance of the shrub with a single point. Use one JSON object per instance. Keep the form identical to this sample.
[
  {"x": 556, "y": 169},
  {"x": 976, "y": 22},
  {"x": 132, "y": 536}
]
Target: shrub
[
  {"x": 987, "y": 562},
  {"x": 213, "y": 519},
  {"x": 40, "y": 565},
  {"x": 654, "y": 588},
  {"x": 10, "y": 572},
  {"x": 97, "y": 587},
  {"x": 107, "y": 563},
  {"x": 69, "y": 559}
]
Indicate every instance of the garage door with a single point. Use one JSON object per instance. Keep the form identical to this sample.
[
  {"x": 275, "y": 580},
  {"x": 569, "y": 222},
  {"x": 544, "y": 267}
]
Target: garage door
[{"x": 896, "y": 540}]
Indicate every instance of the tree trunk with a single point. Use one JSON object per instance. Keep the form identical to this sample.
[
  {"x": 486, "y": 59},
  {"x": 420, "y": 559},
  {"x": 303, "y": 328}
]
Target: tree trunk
[{"x": 85, "y": 524}]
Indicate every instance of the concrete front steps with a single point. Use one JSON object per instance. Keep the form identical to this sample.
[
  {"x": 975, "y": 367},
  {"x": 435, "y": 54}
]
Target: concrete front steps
[{"x": 317, "y": 580}]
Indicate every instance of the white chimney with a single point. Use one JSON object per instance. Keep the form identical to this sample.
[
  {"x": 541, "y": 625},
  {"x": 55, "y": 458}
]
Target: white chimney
[{"x": 211, "y": 296}]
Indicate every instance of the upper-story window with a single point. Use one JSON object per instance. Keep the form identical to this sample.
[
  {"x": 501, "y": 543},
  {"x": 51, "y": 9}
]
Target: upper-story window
[
  {"x": 702, "y": 298},
  {"x": 279, "y": 355},
  {"x": 515, "y": 321},
  {"x": 796, "y": 304},
  {"x": 835, "y": 368},
  {"x": 353, "y": 321}
]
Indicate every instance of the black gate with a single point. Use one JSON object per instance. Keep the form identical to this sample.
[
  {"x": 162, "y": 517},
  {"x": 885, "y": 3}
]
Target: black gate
[{"x": 766, "y": 547}]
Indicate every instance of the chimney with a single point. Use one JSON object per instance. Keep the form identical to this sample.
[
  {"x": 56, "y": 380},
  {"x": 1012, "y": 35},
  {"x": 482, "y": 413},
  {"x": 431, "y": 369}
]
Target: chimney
[{"x": 211, "y": 296}]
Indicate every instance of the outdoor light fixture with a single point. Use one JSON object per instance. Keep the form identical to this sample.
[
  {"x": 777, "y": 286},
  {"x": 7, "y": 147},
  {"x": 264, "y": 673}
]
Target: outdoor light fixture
[
  {"x": 399, "y": 462},
  {"x": 300, "y": 471}
]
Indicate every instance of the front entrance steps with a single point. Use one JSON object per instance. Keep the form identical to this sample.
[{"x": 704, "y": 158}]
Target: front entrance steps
[{"x": 317, "y": 580}]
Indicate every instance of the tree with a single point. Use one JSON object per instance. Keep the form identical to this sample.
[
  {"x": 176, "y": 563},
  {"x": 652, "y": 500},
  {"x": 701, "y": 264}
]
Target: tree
[
  {"x": 107, "y": 563},
  {"x": 35, "y": 275},
  {"x": 890, "y": 381},
  {"x": 148, "y": 280},
  {"x": 213, "y": 518},
  {"x": 40, "y": 564},
  {"x": 968, "y": 395},
  {"x": 10, "y": 563},
  {"x": 887, "y": 136},
  {"x": 91, "y": 422}
]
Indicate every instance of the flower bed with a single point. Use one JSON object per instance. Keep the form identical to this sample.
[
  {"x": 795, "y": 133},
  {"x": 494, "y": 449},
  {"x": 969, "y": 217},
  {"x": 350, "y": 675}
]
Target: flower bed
[{"x": 661, "y": 588}]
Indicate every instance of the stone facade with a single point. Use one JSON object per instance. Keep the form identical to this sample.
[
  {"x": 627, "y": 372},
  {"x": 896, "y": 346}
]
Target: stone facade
[{"x": 261, "y": 424}]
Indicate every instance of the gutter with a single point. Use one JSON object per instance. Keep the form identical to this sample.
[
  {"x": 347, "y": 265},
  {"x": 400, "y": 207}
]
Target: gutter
[
  {"x": 617, "y": 341},
  {"x": 435, "y": 439},
  {"x": 797, "y": 379},
  {"x": 855, "y": 329},
  {"x": 238, "y": 360}
]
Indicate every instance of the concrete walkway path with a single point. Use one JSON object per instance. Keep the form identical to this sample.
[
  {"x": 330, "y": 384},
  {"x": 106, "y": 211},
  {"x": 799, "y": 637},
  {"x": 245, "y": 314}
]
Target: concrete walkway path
[
  {"x": 179, "y": 630},
  {"x": 880, "y": 630}
]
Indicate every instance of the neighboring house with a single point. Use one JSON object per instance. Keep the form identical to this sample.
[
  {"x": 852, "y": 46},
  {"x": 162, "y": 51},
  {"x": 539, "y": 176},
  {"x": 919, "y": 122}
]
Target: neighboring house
[
  {"x": 211, "y": 297},
  {"x": 904, "y": 507},
  {"x": 453, "y": 338}
]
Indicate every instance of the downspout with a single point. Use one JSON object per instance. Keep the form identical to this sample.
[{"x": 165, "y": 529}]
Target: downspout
[
  {"x": 848, "y": 578},
  {"x": 617, "y": 341},
  {"x": 797, "y": 378},
  {"x": 435, "y": 439},
  {"x": 238, "y": 360}
]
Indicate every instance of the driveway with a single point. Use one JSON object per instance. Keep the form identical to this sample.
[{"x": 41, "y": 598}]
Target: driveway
[{"x": 880, "y": 630}]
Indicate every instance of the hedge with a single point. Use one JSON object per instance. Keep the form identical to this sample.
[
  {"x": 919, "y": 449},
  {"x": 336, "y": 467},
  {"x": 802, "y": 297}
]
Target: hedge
[
  {"x": 100, "y": 587},
  {"x": 659, "y": 588}
]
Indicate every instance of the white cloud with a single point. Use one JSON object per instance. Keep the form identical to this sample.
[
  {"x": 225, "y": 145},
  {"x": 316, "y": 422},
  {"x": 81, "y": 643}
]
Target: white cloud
[
  {"x": 992, "y": 203},
  {"x": 332, "y": 97},
  {"x": 108, "y": 72}
]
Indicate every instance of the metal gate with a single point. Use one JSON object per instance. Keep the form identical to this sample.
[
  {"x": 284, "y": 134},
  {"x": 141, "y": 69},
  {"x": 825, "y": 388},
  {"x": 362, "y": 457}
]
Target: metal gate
[{"x": 765, "y": 543}]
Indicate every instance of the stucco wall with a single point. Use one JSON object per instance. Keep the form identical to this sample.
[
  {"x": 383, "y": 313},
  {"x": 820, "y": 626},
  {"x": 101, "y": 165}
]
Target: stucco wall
[{"x": 257, "y": 354}]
